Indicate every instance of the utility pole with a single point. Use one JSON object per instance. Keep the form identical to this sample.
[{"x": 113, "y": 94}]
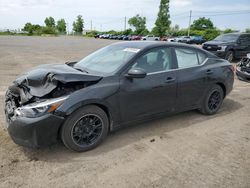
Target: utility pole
[
  {"x": 125, "y": 23},
  {"x": 190, "y": 17},
  {"x": 91, "y": 25},
  {"x": 67, "y": 28}
]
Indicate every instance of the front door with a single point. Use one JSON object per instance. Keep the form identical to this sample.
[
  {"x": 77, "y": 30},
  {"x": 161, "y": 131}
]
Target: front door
[{"x": 156, "y": 93}]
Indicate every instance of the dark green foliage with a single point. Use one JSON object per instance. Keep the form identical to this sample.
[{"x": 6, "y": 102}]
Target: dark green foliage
[
  {"x": 228, "y": 31},
  {"x": 61, "y": 26},
  {"x": 247, "y": 30},
  {"x": 139, "y": 23},
  {"x": 202, "y": 24},
  {"x": 50, "y": 22},
  {"x": 78, "y": 25},
  {"x": 128, "y": 32},
  {"x": 208, "y": 34},
  {"x": 32, "y": 29},
  {"x": 48, "y": 30},
  {"x": 162, "y": 24}
]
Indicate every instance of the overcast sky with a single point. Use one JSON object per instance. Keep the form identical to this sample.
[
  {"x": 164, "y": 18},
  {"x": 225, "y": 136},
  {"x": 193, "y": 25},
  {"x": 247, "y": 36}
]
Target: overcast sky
[{"x": 109, "y": 14}]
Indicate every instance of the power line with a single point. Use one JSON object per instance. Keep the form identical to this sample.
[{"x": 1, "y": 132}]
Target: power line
[
  {"x": 223, "y": 11},
  {"x": 212, "y": 15},
  {"x": 223, "y": 14}
]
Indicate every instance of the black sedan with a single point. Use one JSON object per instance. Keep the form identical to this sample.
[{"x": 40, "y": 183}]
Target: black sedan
[{"x": 80, "y": 102}]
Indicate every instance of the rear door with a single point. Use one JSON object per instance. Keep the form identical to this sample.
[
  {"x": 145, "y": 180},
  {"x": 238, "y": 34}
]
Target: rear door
[{"x": 193, "y": 78}]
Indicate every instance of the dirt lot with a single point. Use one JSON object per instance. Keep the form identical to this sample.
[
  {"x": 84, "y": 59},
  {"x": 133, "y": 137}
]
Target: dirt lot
[{"x": 185, "y": 150}]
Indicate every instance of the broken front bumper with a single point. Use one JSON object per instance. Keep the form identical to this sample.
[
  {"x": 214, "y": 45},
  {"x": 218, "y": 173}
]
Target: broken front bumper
[
  {"x": 35, "y": 132},
  {"x": 242, "y": 75}
]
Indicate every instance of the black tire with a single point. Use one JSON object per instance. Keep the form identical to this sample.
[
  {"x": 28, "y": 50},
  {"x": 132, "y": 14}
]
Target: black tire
[
  {"x": 229, "y": 56},
  {"x": 82, "y": 125},
  {"x": 213, "y": 100}
]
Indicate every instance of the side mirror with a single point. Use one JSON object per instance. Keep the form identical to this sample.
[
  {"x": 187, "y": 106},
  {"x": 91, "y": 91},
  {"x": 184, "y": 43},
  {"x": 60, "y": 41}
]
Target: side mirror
[{"x": 136, "y": 73}]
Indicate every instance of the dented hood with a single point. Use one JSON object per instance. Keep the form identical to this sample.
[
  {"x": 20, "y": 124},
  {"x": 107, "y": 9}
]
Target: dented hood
[{"x": 43, "y": 79}]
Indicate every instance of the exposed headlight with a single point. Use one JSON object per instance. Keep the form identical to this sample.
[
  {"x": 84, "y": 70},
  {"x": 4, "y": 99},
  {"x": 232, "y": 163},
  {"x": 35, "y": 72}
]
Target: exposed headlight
[
  {"x": 40, "y": 108},
  {"x": 222, "y": 48}
]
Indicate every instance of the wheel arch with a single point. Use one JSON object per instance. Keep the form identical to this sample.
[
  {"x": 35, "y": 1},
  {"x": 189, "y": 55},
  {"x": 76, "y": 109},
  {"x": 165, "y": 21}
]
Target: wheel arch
[
  {"x": 97, "y": 102},
  {"x": 223, "y": 88}
]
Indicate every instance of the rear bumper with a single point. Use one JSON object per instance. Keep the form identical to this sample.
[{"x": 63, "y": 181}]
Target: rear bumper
[{"x": 35, "y": 132}]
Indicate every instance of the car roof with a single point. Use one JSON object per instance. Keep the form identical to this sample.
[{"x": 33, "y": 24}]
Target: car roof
[{"x": 151, "y": 44}]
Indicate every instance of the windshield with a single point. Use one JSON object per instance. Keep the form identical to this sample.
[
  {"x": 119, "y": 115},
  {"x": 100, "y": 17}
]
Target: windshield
[
  {"x": 227, "y": 38},
  {"x": 106, "y": 60}
]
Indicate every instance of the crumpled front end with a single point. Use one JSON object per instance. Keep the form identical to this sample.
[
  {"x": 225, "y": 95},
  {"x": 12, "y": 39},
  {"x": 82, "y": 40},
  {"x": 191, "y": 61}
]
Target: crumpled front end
[
  {"x": 33, "y": 98},
  {"x": 243, "y": 69}
]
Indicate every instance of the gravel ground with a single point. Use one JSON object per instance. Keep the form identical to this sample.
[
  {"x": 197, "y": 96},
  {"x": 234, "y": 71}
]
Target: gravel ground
[{"x": 185, "y": 150}]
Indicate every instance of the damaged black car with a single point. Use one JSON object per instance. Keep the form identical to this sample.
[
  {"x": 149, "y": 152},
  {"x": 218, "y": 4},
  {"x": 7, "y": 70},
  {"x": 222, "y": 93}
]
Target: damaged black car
[
  {"x": 243, "y": 69},
  {"x": 118, "y": 85}
]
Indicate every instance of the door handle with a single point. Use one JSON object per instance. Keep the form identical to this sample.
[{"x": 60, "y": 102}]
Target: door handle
[
  {"x": 169, "y": 80},
  {"x": 209, "y": 72}
]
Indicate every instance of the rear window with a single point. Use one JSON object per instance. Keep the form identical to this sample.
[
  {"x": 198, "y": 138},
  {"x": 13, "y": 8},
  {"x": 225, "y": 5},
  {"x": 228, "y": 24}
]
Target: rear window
[{"x": 189, "y": 57}]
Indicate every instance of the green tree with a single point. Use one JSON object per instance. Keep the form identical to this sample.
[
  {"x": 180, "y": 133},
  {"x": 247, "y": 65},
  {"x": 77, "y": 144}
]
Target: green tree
[
  {"x": 31, "y": 29},
  {"x": 78, "y": 24},
  {"x": 139, "y": 23},
  {"x": 247, "y": 30},
  {"x": 202, "y": 24},
  {"x": 162, "y": 23},
  {"x": 28, "y": 28},
  {"x": 228, "y": 31},
  {"x": 48, "y": 30},
  {"x": 61, "y": 26},
  {"x": 128, "y": 32},
  {"x": 50, "y": 22}
]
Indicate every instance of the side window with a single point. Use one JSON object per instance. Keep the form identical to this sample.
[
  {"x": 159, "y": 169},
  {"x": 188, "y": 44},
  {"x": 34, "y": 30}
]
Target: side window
[
  {"x": 201, "y": 57},
  {"x": 155, "y": 60},
  {"x": 188, "y": 57},
  {"x": 242, "y": 39},
  {"x": 245, "y": 39}
]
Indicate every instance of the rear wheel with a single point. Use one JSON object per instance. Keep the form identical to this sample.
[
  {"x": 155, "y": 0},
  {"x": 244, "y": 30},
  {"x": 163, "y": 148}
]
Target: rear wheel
[
  {"x": 85, "y": 129},
  {"x": 213, "y": 100}
]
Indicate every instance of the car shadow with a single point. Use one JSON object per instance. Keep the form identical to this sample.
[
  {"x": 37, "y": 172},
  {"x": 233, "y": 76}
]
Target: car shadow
[{"x": 153, "y": 129}]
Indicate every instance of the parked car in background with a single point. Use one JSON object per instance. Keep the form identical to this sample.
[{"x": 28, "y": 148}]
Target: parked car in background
[
  {"x": 196, "y": 40},
  {"x": 120, "y": 37},
  {"x": 150, "y": 37},
  {"x": 171, "y": 39},
  {"x": 183, "y": 39},
  {"x": 123, "y": 83},
  {"x": 127, "y": 37},
  {"x": 229, "y": 46},
  {"x": 136, "y": 37},
  {"x": 97, "y": 36},
  {"x": 101, "y": 36},
  {"x": 164, "y": 38},
  {"x": 104, "y": 36},
  {"x": 114, "y": 37}
]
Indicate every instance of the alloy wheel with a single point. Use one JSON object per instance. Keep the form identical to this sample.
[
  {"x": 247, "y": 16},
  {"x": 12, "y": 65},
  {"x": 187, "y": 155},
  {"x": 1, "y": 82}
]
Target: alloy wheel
[
  {"x": 214, "y": 100},
  {"x": 87, "y": 130}
]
